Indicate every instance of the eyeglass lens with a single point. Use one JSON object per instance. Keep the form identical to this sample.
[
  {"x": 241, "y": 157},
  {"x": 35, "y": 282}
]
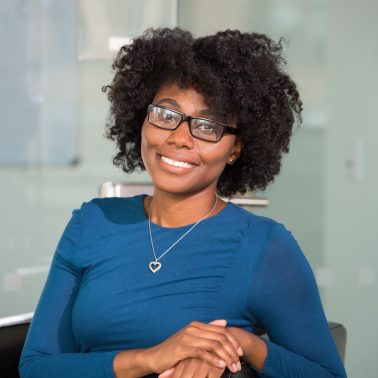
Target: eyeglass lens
[{"x": 200, "y": 128}]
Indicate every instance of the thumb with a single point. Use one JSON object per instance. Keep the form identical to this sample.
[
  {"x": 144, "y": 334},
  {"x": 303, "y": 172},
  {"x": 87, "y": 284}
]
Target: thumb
[
  {"x": 219, "y": 322},
  {"x": 167, "y": 373}
]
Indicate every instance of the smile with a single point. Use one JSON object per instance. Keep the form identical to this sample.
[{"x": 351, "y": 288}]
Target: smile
[{"x": 176, "y": 163}]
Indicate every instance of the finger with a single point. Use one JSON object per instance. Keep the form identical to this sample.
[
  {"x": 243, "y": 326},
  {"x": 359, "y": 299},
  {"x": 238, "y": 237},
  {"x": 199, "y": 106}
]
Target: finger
[
  {"x": 191, "y": 368},
  {"x": 199, "y": 372},
  {"x": 209, "y": 350},
  {"x": 230, "y": 335},
  {"x": 202, "y": 369},
  {"x": 196, "y": 368},
  {"x": 217, "y": 342},
  {"x": 213, "y": 358},
  {"x": 220, "y": 330},
  {"x": 225, "y": 352},
  {"x": 216, "y": 373},
  {"x": 179, "y": 369},
  {"x": 167, "y": 373},
  {"x": 223, "y": 322}
]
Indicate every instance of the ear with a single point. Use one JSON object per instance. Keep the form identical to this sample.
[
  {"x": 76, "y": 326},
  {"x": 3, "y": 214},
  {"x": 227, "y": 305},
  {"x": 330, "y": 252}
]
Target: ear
[{"x": 238, "y": 146}]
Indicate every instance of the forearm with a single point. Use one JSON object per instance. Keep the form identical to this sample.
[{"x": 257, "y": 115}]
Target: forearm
[
  {"x": 283, "y": 363},
  {"x": 255, "y": 351},
  {"x": 132, "y": 363},
  {"x": 273, "y": 360},
  {"x": 37, "y": 364}
]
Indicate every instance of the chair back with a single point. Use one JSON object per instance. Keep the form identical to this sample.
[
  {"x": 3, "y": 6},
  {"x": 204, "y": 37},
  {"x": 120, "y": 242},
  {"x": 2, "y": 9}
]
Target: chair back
[
  {"x": 123, "y": 189},
  {"x": 13, "y": 331}
]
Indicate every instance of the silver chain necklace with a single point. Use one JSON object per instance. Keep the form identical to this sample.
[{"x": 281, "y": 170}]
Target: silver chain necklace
[{"x": 156, "y": 264}]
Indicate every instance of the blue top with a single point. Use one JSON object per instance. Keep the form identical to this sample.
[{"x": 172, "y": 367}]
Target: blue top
[{"x": 101, "y": 297}]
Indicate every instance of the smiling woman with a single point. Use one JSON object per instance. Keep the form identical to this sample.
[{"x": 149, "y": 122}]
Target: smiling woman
[{"x": 178, "y": 284}]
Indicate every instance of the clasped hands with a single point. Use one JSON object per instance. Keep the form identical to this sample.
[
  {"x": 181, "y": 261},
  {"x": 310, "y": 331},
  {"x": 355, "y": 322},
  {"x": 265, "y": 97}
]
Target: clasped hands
[{"x": 199, "y": 350}]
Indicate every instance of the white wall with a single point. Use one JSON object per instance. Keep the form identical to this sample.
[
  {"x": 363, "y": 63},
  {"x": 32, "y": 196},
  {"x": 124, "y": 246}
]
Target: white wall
[{"x": 351, "y": 231}]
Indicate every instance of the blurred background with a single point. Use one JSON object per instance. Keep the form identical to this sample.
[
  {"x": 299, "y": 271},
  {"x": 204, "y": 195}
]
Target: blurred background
[{"x": 56, "y": 56}]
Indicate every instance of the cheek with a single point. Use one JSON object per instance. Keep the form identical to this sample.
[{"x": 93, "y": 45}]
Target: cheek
[
  {"x": 219, "y": 155},
  {"x": 151, "y": 136}
]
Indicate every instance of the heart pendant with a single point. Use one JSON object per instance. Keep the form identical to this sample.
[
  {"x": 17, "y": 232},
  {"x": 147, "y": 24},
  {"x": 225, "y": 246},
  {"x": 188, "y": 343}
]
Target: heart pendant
[{"x": 154, "y": 266}]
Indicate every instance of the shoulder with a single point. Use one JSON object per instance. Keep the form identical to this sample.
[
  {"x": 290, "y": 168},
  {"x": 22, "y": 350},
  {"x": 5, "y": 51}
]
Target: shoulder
[
  {"x": 271, "y": 230},
  {"x": 256, "y": 226},
  {"x": 101, "y": 216},
  {"x": 96, "y": 219},
  {"x": 115, "y": 209},
  {"x": 279, "y": 253},
  {"x": 268, "y": 240}
]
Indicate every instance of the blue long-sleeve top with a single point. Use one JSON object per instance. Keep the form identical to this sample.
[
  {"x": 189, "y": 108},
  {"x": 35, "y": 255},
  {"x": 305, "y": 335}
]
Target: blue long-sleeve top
[{"x": 101, "y": 297}]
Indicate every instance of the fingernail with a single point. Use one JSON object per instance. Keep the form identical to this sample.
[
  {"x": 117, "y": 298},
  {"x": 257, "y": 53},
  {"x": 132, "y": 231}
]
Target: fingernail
[
  {"x": 234, "y": 367},
  {"x": 240, "y": 351},
  {"x": 222, "y": 363},
  {"x": 238, "y": 365}
]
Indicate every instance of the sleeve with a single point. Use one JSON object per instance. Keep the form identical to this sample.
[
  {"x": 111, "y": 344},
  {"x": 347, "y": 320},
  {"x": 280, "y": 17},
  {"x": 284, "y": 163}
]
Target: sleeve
[
  {"x": 284, "y": 299},
  {"x": 49, "y": 349}
]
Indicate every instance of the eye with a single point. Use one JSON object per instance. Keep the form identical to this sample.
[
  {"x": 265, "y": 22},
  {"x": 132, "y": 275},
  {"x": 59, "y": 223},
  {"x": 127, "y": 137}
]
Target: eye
[
  {"x": 206, "y": 127},
  {"x": 166, "y": 115}
]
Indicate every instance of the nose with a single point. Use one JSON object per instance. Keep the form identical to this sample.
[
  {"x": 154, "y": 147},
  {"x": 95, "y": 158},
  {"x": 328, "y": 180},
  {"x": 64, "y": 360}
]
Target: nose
[{"x": 181, "y": 137}]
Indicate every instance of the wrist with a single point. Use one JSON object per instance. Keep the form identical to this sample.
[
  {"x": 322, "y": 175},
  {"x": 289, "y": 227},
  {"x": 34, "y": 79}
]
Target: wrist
[
  {"x": 145, "y": 357},
  {"x": 254, "y": 347},
  {"x": 131, "y": 364},
  {"x": 255, "y": 351}
]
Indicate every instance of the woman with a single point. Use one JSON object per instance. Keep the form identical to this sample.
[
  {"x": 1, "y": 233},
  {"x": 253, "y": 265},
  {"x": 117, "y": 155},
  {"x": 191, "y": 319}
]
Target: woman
[{"x": 178, "y": 283}]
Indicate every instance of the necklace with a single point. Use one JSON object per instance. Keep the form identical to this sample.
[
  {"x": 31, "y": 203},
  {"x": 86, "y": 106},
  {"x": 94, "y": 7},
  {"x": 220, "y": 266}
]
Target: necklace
[{"x": 156, "y": 264}]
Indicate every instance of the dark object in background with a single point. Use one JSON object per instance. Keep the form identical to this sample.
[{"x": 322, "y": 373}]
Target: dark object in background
[{"x": 12, "y": 338}]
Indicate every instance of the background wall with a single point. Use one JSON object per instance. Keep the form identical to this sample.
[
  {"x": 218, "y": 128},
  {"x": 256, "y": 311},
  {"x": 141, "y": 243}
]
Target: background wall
[
  {"x": 351, "y": 237},
  {"x": 325, "y": 194}
]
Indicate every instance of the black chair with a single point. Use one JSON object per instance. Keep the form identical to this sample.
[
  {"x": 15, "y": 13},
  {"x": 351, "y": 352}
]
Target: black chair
[{"x": 13, "y": 332}]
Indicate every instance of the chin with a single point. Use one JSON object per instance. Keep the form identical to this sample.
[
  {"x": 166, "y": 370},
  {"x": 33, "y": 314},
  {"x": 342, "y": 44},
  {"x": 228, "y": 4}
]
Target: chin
[
  {"x": 179, "y": 188},
  {"x": 174, "y": 188}
]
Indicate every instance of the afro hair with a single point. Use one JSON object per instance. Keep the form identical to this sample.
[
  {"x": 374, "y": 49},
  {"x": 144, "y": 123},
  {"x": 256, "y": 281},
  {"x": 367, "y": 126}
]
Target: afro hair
[{"x": 241, "y": 77}]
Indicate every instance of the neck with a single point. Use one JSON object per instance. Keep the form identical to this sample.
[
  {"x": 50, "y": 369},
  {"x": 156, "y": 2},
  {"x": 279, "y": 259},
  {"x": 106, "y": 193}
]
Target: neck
[{"x": 172, "y": 210}]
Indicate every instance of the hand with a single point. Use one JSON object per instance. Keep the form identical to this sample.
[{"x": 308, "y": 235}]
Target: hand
[
  {"x": 209, "y": 342},
  {"x": 243, "y": 336},
  {"x": 255, "y": 349},
  {"x": 193, "y": 368}
]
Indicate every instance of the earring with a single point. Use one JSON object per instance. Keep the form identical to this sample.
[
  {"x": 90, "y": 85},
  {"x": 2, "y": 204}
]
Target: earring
[{"x": 231, "y": 161}]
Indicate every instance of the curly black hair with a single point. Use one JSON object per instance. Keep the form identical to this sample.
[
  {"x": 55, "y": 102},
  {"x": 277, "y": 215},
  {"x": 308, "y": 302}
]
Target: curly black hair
[{"x": 240, "y": 76}]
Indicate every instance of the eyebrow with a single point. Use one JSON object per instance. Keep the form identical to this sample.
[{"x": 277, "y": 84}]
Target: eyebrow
[{"x": 173, "y": 102}]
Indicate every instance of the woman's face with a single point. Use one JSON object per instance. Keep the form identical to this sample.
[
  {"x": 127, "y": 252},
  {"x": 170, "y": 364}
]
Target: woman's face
[{"x": 161, "y": 148}]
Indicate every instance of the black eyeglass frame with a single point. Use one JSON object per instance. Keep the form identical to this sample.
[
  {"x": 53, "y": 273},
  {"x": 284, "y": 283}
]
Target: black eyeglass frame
[{"x": 188, "y": 118}]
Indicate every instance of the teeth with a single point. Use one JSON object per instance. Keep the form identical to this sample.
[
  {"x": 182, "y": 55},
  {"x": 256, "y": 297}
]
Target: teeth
[{"x": 176, "y": 163}]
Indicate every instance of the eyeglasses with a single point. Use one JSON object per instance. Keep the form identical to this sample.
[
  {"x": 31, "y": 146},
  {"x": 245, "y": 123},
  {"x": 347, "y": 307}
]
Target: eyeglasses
[{"x": 200, "y": 128}]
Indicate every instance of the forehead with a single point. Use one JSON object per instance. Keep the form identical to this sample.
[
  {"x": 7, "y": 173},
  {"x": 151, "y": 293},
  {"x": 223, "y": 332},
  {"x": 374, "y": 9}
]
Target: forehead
[{"x": 172, "y": 95}]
